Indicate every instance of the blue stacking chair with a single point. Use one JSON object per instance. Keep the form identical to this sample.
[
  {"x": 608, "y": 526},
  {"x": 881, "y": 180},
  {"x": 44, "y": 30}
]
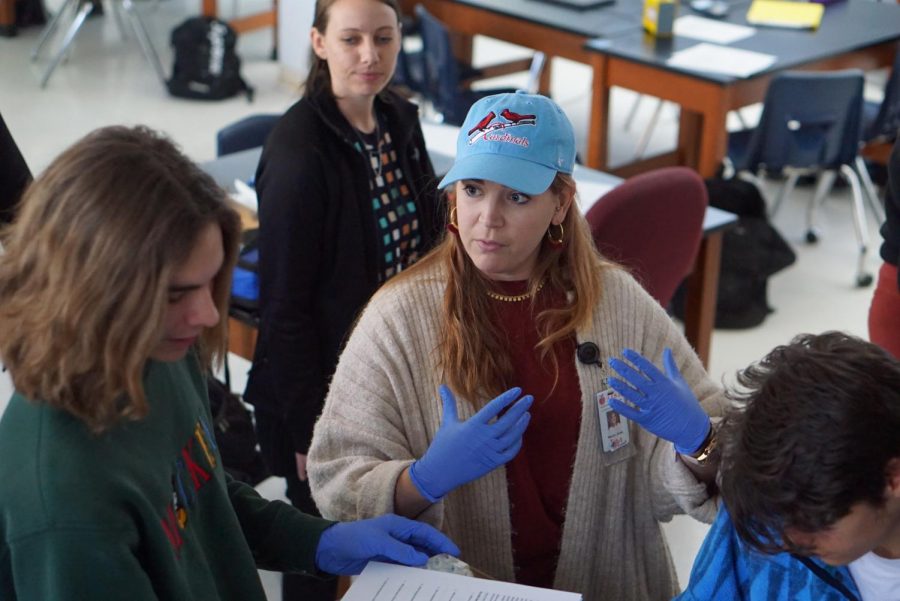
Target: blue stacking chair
[
  {"x": 811, "y": 123},
  {"x": 443, "y": 77},
  {"x": 249, "y": 132},
  {"x": 408, "y": 74}
]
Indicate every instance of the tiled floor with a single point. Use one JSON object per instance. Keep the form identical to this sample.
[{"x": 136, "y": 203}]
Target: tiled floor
[{"x": 106, "y": 81}]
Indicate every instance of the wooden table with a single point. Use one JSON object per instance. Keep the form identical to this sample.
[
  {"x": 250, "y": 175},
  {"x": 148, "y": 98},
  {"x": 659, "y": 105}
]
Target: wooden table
[
  {"x": 549, "y": 28},
  {"x": 7, "y": 18},
  {"x": 702, "y": 283},
  {"x": 854, "y": 33},
  {"x": 267, "y": 18}
]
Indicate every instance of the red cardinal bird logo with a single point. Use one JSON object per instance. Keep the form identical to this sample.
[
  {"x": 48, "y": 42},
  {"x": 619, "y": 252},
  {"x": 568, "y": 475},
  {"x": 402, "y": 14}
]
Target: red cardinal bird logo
[
  {"x": 487, "y": 123},
  {"x": 482, "y": 125},
  {"x": 517, "y": 118}
]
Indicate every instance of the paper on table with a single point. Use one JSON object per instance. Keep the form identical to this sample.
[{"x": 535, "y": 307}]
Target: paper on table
[
  {"x": 245, "y": 196},
  {"x": 388, "y": 582},
  {"x": 590, "y": 192},
  {"x": 710, "y": 30},
  {"x": 721, "y": 59},
  {"x": 793, "y": 15}
]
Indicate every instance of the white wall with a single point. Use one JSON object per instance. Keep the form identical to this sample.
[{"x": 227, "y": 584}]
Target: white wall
[{"x": 294, "y": 22}]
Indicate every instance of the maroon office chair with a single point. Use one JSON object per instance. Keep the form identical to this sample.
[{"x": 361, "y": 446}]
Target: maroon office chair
[{"x": 652, "y": 224}]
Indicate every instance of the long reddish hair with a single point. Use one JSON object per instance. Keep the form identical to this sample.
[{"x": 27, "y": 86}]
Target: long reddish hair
[{"x": 473, "y": 350}]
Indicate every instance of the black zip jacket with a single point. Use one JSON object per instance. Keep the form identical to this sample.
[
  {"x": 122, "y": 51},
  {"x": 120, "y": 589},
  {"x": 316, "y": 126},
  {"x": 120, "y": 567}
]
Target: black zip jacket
[{"x": 317, "y": 252}]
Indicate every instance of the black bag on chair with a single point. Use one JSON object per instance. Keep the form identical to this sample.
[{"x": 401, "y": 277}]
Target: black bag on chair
[
  {"x": 234, "y": 432},
  {"x": 752, "y": 251},
  {"x": 206, "y": 64}
]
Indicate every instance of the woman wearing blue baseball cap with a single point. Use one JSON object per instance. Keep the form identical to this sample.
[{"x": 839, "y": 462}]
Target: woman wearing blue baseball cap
[{"x": 473, "y": 392}]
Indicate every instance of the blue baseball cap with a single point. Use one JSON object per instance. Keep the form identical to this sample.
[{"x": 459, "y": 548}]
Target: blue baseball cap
[{"x": 517, "y": 140}]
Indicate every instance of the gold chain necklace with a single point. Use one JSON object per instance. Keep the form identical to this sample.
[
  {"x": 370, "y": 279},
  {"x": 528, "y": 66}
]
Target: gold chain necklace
[{"x": 514, "y": 298}]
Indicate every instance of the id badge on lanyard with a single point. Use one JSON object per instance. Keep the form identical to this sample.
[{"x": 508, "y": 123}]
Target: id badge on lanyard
[{"x": 614, "y": 432}]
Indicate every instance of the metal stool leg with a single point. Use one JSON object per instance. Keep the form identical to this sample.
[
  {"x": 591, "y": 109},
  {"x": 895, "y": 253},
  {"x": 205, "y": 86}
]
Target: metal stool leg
[
  {"x": 869, "y": 187},
  {"x": 51, "y": 28},
  {"x": 633, "y": 111},
  {"x": 648, "y": 132},
  {"x": 140, "y": 33},
  {"x": 534, "y": 72},
  {"x": 863, "y": 279},
  {"x": 83, "y": 12},
  {"x": 823, "y": 187},
  {"x": 117, "y": 16},
  {"x": 786, "y": 189}
]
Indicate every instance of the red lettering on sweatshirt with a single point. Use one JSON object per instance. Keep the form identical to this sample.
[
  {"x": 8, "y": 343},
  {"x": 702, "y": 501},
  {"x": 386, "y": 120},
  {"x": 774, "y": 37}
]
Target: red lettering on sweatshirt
[
  {"x": 170, "y": 526},
  {"x": 198, "y": 474}
]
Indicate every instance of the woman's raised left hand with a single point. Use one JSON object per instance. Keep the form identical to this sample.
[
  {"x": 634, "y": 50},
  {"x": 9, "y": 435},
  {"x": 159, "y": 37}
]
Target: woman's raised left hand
[{"x": 662, "y": 403}]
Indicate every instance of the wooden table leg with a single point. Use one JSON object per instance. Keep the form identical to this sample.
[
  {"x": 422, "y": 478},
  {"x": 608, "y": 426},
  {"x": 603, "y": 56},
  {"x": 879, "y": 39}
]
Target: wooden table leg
[
  {"x": 703, "y": 138},
  {"x": 463, "y": 46},
  {"x": 7, "y": 18},
  {"x": 713, "y": 142},
  {"x": 241, "y": 338},
  {"x": 689, "y": 126},
  {"x": 598, "y": 126},
  {"x": 343, "y": 585},
  {"x": 546, "y": 76},
  {"x": 209, "y": 8},
  {"x": 700, "y": 301}
]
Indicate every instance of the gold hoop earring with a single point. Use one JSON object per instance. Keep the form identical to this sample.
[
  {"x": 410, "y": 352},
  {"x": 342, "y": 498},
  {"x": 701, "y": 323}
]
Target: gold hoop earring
[
  {"x": 452, "y": 225},
  {"x": 557, "y": 242}
]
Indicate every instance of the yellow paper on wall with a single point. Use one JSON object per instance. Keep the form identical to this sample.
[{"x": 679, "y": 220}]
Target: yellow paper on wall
[{"x": 783, "y": 13}]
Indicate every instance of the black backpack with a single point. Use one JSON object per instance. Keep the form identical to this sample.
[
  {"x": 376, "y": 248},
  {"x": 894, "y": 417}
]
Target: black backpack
[
  {"x": 235, "y": 433},
  {"x": 206, "y": 65},
  {"x": 752, "y": 251}
]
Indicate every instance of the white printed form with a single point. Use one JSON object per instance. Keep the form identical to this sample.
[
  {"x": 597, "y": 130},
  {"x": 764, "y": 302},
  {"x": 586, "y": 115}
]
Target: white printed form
[
  {"x": 721, "y": 59},
  {"x": 388, "y": 582},
  {"x": 711, "y": 30}
]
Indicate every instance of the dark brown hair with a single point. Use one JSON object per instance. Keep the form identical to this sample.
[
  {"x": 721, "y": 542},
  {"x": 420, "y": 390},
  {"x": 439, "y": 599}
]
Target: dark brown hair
[
  {"x": 818, "y": 423},
  {"x": 84, "y": 281}
]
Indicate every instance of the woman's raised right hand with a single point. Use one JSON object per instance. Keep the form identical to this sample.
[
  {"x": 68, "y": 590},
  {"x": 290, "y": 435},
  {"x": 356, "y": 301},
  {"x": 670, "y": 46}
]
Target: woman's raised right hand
[{"x": 463, "y": 451}]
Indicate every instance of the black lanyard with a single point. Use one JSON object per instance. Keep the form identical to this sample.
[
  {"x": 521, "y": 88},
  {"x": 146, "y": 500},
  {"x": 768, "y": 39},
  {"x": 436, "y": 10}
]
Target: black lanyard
[{"x": 827, "y": 576}]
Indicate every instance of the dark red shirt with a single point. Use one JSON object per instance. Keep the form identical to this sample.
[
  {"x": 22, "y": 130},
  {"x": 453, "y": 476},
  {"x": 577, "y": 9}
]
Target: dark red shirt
[{"x": 538, "y": 477}]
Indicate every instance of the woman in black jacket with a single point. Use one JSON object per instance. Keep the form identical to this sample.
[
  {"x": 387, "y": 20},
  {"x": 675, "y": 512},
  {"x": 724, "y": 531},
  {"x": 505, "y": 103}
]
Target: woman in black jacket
[
  {"x": 347, "y": 198},
  {"x": 14, "y": 174}
]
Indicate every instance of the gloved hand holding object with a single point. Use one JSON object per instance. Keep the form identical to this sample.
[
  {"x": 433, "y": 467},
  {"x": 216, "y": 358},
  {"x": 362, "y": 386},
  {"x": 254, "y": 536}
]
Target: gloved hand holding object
[
  {"x": 662, "y": 403},
  {"x": 346, "y": 547},
  {"x": 463, "y": 451}
]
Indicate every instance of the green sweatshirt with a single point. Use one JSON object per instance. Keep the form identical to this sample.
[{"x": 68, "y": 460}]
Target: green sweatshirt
[{"x": 142, "y": 511}]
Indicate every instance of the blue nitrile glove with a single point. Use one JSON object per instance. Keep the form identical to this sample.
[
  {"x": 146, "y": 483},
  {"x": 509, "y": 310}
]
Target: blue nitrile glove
[
  {"x": 663, "y": 403},
  {"x": 464, "y": 451},
  {"x": 347, "y": 547}
]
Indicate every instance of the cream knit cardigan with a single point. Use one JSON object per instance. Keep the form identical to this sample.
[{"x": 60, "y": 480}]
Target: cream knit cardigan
[{"x": 383, "y": 410}]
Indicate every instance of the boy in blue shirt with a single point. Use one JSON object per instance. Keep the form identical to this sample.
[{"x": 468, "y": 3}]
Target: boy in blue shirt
[{"x": 810, "y": 476}]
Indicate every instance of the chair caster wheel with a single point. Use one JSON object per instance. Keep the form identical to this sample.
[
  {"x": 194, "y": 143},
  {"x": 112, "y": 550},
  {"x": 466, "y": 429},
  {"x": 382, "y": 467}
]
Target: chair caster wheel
[
  {"x": 864, "y": 280},
  {"x": 812, "y": 237}
]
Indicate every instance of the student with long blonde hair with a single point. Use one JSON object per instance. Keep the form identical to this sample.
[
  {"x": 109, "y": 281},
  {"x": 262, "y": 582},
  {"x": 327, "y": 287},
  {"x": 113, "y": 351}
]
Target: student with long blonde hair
[
  {"x": 472, "y": 393},
  {"x": 113, "y": 285}
]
